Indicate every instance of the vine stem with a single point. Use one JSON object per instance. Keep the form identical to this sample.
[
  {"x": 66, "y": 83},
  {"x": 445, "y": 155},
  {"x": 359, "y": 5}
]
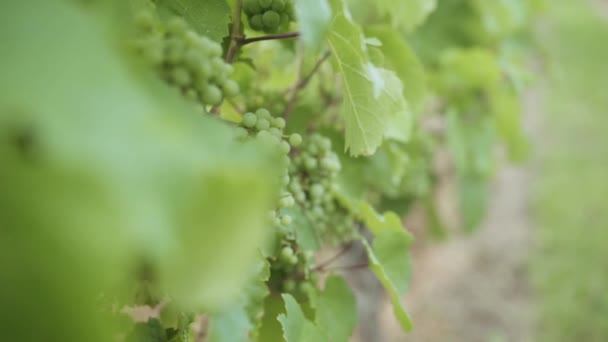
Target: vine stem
[
  {"x": 302, "y": 82},
  {"x": 346, "y": 268},
  {"x": 236, "y": 33},
  {"x": 245, "y": 41},
  {"x": 325, "y": 263}
]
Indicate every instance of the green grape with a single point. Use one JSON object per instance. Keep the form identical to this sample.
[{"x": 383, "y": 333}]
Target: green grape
[
  {"x": 276, "y": 132},
  {"x": 271, "y": 19},
  {"x": 263, "y": 124},
  {"x": 241, "y": 133},
  {"x": 252, "y": 7},
  {"x": 188, "y": 61},
  {"x": 285, "y": 19},
  {"x": 278, "y": 5},
  {"x": 264, "y": 113},
  {"x": 286, "y": 220},
  {"x": 287, "y": 253},
  {"x": 231, "y": 88},
  {"x": 177, "y": 26},
  {"x": 250, "y": 120},
  {"x": 181, "y": 76},
  {"x": 285, "y": 147},
  {"x": 295, "y": 140},
  {"x": 279, "y": 123},
  {"x": 317, "y": 190},
  {"x": 212, "y": 95},
  {"x": 256, "y": 22},
  {"x": 265, "y": 3}
]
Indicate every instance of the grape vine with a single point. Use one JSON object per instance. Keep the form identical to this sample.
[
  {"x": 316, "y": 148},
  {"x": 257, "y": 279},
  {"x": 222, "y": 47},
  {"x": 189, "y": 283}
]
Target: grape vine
[{"x": 308, "y": 139}]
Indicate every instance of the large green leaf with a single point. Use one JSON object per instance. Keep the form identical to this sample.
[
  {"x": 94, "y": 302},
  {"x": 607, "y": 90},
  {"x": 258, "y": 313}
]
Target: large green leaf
[
  {"x": 296, "y": 328},
  {"x": 210, "y": 18},
  {"x": 314, "y": 17},
  {"x": 374, "y": 106},
  {"x": 336, "y": 310},
  {"x": 103, "y": 168},
  {"x": 390, "y": 262},
  {"x": 400, "y": 58},
  {"x": 229, "y": 325},
  {"x": 406, "y": 14}
]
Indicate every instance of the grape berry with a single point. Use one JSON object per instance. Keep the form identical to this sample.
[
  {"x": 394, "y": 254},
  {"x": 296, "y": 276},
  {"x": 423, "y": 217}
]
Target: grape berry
[{"x": 269, "y": 16}]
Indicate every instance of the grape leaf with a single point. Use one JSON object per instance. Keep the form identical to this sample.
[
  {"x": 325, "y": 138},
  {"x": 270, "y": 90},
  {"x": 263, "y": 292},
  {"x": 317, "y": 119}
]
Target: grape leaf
[
  {"x": 210, "y": 18},
  {"x": 406, "y": 14},
  {"x": 296, "y": 328},
  {"x": 400, "y": 57},
  {"x": 270, "y": 329},
  {"x": 374, "y": 106},
  {"x": 102, "y": 174},
  {"x": 336, "y": 309},
  {"x": 230, "y": 325},
  {"x": 314, "y": 17},
  {"x": 379, "y": 224},
  {"x": 389, "y": 260}
]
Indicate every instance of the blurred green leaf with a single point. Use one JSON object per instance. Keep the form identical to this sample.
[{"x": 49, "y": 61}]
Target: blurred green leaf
[
  {"x": 314, "y": 17},
  {"x": 210, "y": 18},
  {"x": 389, "y": 260},
  {"x": 336, "y": 309},
  {"x": 295, "y": 325}
]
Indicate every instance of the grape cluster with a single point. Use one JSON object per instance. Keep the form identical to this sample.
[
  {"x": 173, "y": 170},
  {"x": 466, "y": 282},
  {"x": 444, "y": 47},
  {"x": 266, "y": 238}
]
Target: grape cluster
[
  {"x": 292, "y": 271},
  {"x": 270, "y": 130},
  {"x": 269, "y": 15},
  {"x": 313, "y": 184},
  {"x": 186, "y": 60}
]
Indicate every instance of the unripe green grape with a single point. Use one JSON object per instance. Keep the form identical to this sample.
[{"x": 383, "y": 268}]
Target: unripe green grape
[
  {"x": 289, "y": 285},
  {"x": 295, "y": 140},
  {"x": 286, "y": 220},
  {"x": 256, "y": 22},
  {"x": 286, "y": 253},
  {"x": 250, "y": 120},
  {"x": 177, "y": 26},
  {"x": 181, "y": 76},
  {"x": 285, "y": 147},
  {"x": 212, "y": 95},
  {"x": 262, "y": 124},
  {"x": 276, "y": 132},
  {"x": 264, "y": 113},
  {"x": 145, "y": 20},
  {"x": 271, "y": 19},
  {"x": 310, "y": 163},
  {"x": 285, "y": 19},
  {"x": 252, "y": 7},
  {"x": 278, "y": 5},
  {"x": 317, "y": 191},
  {"x": 215, "y": 49},
  {"x": 241, "y": 133},
  {"x": 265, "y": 3},
  {"x": 191, "y": 95},
  {"x": 231, "y": 88},
  {"x": 305, "y": 288},
  {"x": 286, "y": 180},
  {"x": 278, "y": 123}
]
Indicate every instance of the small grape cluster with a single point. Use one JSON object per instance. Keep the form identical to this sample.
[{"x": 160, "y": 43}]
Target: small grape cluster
[
  {"x": 292, "y": 271},
  {"x": 185, "y": 59},
  {"x": 270, "y": 130},
  {"x": 313, "y": 184},
  {"x": 269, "y": 15}
]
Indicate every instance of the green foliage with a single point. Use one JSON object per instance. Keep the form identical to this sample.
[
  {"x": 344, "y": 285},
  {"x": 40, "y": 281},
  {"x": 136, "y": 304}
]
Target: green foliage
[
  {"x": 118, "y": 191},
  {"x": 210, "y": 18},
  {"x": 374, "y": 107}
]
